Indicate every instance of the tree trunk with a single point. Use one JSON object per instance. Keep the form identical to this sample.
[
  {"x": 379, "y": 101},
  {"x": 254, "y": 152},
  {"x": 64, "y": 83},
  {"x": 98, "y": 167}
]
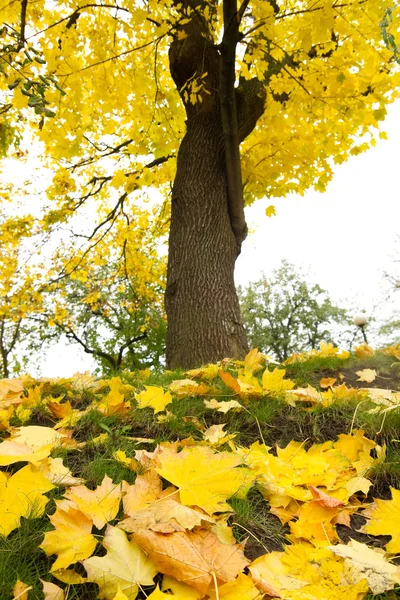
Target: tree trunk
[{"x": 204, "y": 323}]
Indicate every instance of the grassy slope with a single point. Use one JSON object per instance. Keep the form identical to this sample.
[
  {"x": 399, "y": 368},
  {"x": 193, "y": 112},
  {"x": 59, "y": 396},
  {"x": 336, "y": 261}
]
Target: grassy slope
[{"x": 269, "y": 417}]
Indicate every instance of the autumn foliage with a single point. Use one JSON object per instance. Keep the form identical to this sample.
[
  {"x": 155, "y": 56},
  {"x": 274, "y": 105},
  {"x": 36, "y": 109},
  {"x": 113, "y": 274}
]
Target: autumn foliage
[
  {"x": 163, "y": 525},
  {"x": 170, "y": 117}
]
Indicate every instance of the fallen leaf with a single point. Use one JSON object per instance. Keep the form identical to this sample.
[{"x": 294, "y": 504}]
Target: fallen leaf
[
  {"x": 186, "y": 387},
  {"x": 192, "y": 556},
  {"x": 273, "y": 382},
  {"x": 253, "y": 361},
  {"x": 125, "y": 566},
  {"x": 326, "y": 382},
  {"x": 71, "y": 539},
  {"x": 52, "y": 591},
  {"x": 367, "y": 563},
  {"x": 101, "y": 504},
  {"x": 364, "y": 351},
  {"x": 216, "y": 435},
  {"x": 20, "y": 590},
  {"x": 181, "y": 590},
  {"x": 384, "y": 519},
  {"x": 205, "y": 478},
  {"x": 165, "y": 515},
  {"x": 241, "y": 588},
  {"x": 68, "y": 576},
  {"x": 155, "y": 397},
  {"x": 303, "y": 572},
  {"x": 367, "y": 375},
  {"x": 223, "y": 406},
  {"x": 208, "y": 372},
  {"x": 22, "y": 495}
]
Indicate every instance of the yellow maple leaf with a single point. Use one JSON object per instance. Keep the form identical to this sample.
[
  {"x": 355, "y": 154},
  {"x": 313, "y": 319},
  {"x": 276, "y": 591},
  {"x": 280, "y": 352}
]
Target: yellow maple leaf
[
  {"x": 36, "y": 436},
  {"x": 186, "y": 387},
  {"x": 124, "y": 567},
  {"x": 21, "y": 495},
  {"x": 11, "y": 391},
  {"x": 216, "y": 435},
  {"x": 180, "y": 590},
  {"x": 146, "y": 489},
  {"x": 155, "y": 397},
  {"x": 223, "y": 406},
  {"x": 384, "y": 519},
  {"x": 270, "y": 211},
  {"x": 241, "y": 588},
  {"x": 69, "y": 576},
  {"x": 205, "y": 478},
  {"x": 101, "y": 504},
  {"x": 364, "y": 351},
  {"x": 303, "y": 572},
  {"x": 253, "y": 361},
  {"x": 208, "y": 372},
  {"x": 273, "y": 382},
  {"x": 71, "y": 539},
  {"x": 326, "y": 382},
  {"x": 367, "y": 375},
  {"x": 20, "y": 590}
]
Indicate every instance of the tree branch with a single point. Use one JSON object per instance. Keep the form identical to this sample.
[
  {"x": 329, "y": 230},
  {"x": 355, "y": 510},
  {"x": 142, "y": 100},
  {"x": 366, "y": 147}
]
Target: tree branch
[
  {"x": 72, "y": 335},
  {"x": 24, "y": 6},
  {"x": 127, "y": 345},
  {"x": 227, "y": 97}
]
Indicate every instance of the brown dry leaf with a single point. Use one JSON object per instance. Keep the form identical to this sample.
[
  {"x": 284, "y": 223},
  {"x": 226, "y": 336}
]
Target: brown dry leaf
[
  {"x": 367, "y": 375},
  {"x": 166, "y": 516},
  {"x": 193, "y": 557}
]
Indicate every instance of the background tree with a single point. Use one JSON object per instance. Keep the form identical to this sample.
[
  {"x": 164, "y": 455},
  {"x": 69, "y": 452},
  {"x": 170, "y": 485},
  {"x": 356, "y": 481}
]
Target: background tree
[
  {"x": 390, "y": 329},
  {"x": 285, "y": 313},
  {"x": 107, "y": 317},
  {"x": 232, "y": 101}
]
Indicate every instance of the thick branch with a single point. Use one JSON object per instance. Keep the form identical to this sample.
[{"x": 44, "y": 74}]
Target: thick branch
[
  {"x": 24, "y": 6},
  {"x": 229, "y": 119}
]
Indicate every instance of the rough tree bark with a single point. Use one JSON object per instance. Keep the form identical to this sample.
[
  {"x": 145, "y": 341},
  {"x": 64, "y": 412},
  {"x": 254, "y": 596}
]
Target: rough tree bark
[{"x": 207, "y": 219}]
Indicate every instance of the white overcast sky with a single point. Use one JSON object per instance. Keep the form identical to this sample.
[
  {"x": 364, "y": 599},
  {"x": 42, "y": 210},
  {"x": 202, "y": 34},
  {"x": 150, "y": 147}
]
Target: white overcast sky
[{"x": 345, "y": 236}]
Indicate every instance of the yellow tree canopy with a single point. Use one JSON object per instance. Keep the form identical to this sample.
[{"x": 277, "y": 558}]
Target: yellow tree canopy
[{"x": 103, "y": 92}]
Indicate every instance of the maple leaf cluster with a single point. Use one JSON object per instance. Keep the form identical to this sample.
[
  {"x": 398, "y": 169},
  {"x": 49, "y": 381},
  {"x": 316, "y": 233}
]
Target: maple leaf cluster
[{"x": 170, "y": 533}]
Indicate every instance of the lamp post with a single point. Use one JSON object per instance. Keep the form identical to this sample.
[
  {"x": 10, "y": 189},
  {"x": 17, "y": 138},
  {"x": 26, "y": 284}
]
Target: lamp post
[{"x": 361, "y": 321}]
